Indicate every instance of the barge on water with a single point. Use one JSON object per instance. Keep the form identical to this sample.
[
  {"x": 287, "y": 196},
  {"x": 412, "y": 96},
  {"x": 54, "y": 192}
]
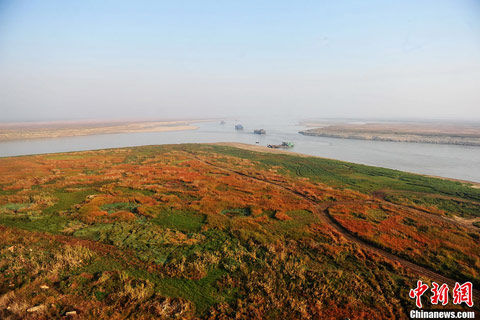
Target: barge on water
[{"x": 283, "y": 145}]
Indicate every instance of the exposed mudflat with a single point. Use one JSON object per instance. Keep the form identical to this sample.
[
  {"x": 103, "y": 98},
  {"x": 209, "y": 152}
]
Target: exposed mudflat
[
  {"x": 23, "y": 131},
  {"x": 439, "y": 133}
]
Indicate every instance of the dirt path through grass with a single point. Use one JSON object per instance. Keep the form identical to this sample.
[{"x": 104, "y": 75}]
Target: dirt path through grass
[{"x": 322, "y": 212}]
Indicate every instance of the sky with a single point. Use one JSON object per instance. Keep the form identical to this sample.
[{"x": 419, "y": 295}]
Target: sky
[{"x": 68, "y": 60}]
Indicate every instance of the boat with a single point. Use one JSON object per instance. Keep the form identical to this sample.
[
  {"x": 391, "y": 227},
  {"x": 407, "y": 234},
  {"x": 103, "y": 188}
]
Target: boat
[
  {"x": 259, "y": 131},
  {"x": 238, "y": 127},
  {"x": 283, "y": 145}
]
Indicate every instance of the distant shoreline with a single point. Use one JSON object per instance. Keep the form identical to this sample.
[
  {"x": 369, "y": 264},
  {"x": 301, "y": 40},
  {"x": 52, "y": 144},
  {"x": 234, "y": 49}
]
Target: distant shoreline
[
  {"x": 402, "y": 132},
  {"x": 28, "y": 131}
]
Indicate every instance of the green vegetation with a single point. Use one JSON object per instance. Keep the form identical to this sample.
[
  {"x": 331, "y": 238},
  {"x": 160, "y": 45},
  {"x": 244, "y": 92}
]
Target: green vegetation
[
  {"x": 185, "y": 232},
  {"x": 14, "y": 206},
  {"x": 66, "y": 199},
  {"x": 180, "y": 220},
  {"x": 34, "y": 222},
  {"x": 451, "y": 206},
  {"x": 113, "y": 207},
  {"x": 237, "y": 212}
]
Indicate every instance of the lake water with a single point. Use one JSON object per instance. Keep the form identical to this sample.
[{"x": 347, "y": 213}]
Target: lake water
[{"x": 460, "y": 162}]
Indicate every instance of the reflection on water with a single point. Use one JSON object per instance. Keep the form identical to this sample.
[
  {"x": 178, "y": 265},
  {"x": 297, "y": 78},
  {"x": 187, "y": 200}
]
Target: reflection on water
[{"x": 460, "y": 162}]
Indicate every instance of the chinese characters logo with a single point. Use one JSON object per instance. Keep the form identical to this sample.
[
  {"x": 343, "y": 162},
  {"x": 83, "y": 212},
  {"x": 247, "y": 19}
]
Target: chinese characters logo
[{"x": 461, "y": 293}]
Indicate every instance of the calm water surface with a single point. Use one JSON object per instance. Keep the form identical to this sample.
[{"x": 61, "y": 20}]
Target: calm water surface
[{"x": 460, "y": 162}]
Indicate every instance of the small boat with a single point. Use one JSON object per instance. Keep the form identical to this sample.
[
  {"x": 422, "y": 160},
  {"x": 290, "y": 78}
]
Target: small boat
[
  {"x": 238, "y": 127},
  {"x": 287, "y": 144},
  {"x": 259, "y": 131},
  {"x": 283, "y": 145}
]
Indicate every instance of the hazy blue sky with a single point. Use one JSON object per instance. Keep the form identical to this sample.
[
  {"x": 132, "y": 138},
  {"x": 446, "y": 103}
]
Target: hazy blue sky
[{"x": 119, "y": 59}]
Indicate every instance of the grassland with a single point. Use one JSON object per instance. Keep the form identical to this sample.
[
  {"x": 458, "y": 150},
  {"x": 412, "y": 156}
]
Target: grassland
[{"x": 215, "y": 232}]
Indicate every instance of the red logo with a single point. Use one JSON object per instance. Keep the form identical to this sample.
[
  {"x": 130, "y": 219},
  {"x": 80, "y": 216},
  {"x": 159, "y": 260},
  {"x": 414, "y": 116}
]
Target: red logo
[
  {"x": 440, "y": 294},
  {"x": 418, "y": 292},
  {"x": 461, "y": 293}
]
